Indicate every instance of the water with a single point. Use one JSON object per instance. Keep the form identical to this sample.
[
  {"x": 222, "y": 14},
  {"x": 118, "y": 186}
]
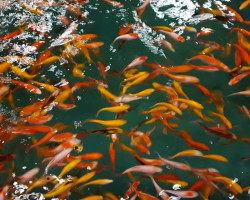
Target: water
[{"x": 105, "y": 21}]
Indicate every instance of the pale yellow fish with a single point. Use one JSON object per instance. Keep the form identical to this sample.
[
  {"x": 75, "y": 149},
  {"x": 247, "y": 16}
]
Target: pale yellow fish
[
  {"x": 106, "y": 93},
  {"x": 188, "y": 153},
  {"x": 191, "y": 103},
  {"x": 215, "y": 157},
  {"x": 143, "y": 93},
  {"x": 69, "y": 167},
  {"x": 179, "y": 90},
  {"x": 85, "y": 177},
  {"x": 93, "y": 197},
  {"x": 115, "y": 109},
  {"x": 99, "y": 182},
  {"x": 112, "y": 123},
  {"x": 230, "y": 183},
  {"x": 19, "y": 72},
  {"x": 46, "y": 86},
  {"x": 223, "y": 119},
  {"x": 170, "y": 106}
]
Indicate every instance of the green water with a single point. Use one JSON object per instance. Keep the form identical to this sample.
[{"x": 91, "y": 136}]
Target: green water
[{"x": 105, "y": 21}]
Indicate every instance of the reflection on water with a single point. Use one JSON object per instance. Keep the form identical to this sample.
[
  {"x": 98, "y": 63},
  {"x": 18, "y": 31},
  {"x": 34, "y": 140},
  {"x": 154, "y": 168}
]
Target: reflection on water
[{"x": 60, "y": 66}]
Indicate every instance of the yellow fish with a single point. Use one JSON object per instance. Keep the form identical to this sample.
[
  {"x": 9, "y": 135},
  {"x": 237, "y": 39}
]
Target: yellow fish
[
  {"x": 112, "y": 123},
  {"x": 99, "y": 182},
  {"x": 46, "y": 86},
  {"x": 19, "y": 72},
  {"x": 191, "y": 103},
  {"x": 69, "y": 167},
  {"x": 106, "y": 93},
  {"x": 116, "y": 109},
  {"x": 4, "y": 66},
  {"x": 170, "y": 106},
  {"x": 85, "y": 177},
  {"x": 215, "y": 157},
  {"x": 93, "y": 197},
  {"x": 143, "y": 93}
]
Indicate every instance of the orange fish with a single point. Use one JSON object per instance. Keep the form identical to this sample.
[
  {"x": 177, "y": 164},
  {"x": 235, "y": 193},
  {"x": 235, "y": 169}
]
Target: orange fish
[
  {"x": 182, "y": 78},
  {"x": 45, "y": 139},
  {"x": 37, "y": 120},
  {"x": 205, "y": 91},
  {"x": 10, "y": 35},
  {"x": 238, "y": 78},
  {"x": 27, "y": 86},
  {"x": 112, "y": 155},
  {"x": 211, "y": 60}
]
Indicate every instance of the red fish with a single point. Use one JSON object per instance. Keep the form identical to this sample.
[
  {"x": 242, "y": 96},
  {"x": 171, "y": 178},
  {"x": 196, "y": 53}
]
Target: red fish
[
  {"x": 10, "y": 35},
  {"x": 112, "y": 155}
]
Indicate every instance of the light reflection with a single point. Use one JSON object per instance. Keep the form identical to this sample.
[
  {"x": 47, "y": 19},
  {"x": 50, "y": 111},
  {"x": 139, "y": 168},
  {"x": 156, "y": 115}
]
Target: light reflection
[{"x": 182, "y": 10}]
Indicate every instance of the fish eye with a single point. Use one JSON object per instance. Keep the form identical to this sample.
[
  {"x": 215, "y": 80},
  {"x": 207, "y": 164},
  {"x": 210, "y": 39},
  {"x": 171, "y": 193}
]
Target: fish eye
[{"x": 78, "y": 148}]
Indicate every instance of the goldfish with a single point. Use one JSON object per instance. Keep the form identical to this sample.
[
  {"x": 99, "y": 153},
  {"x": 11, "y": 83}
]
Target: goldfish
[
  {"x": 130, "y": 36},
  {"x": 106, "y": 93},
  {"x": 173, "y": 35},
  {"x": 69, "y": 167},
  {"x": 170, "y": 106},
  {"x": 114, "y": 109},
  {"x": 137, "y": 61},
  {"x": 43, "y": 140},
  {"x": 4, "y": 66},
  {"x": 238, "y": 78},
  {"x": 59, "y": 157},
  {"x": 167, "y": 45},
  {"x": 191, "y": 143},
  {"x": 244, "y": 4},
  {"x": 143, "y": 93},
  {"x": 223, "y": 119},
  {"x": 230, "y": 183},
  {"x": 182, "y": 78},
  {"x": 187, "y": 153},
  {"x": 212, "y": 61},
  {"x": 93, "y": 197},
  {"x": 19, "y": 72},
  {"x": 99, "y": 182},
  {"x": 37, "y": 120},
  {"x": 112, "y": 123},
  {"x": 46, "y": 86},
  {"x": 85, "y": 177},
  {"x": 215, "y": 157},
  {"x": 10, "y": 35},
  {"x": 205, "y": 91},
  {"x": 189, "y": 102},
  {"x": 146, "y": 169},
  {"x": 112, "y": 155},
  {"x": 114, "y": 3}
]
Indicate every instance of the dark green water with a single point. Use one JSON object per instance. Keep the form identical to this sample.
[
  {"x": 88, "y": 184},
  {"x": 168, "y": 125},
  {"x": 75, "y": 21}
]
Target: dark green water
[{"x": 105, "y": 21}]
